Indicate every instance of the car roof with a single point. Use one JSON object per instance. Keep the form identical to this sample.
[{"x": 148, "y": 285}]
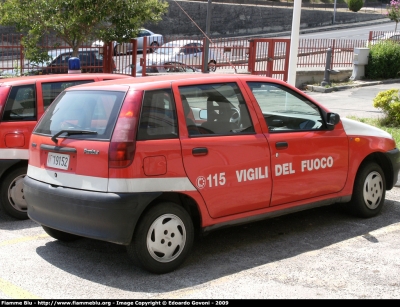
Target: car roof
[
  {"x": 56, "y": 52},
  {"x": 56, "y": 77},
  {"x": 149, "y": 82},
  {"x": 165, "y": 81}
]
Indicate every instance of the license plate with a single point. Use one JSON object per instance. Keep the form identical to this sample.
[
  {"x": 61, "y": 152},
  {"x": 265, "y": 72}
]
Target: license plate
[{"x": 57, "y": 160}]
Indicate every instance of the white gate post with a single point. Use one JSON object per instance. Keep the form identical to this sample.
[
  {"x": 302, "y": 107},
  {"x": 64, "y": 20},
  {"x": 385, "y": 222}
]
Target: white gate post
[{"x": 294, "y": 43}]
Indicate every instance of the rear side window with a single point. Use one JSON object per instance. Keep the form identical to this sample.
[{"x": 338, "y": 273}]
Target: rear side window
[
  {"x": 158, "y": 116},
  {"x": 21, "y": 104},
  {"x": 215, "y": 109},
  {"x": 94, "y": 111},
  {"x": 51, "y": 90}
]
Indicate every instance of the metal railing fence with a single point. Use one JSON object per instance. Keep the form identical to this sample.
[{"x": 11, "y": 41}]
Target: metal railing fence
[{"x": 228, "y": 53}]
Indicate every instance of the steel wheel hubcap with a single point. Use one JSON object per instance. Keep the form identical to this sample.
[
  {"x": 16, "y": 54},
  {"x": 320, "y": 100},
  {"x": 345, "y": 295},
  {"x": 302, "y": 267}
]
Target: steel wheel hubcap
[
  {"x": 16, "y": 194},
  {"x": 166, "y": 238},
  {"x": 373, "y": 190}
]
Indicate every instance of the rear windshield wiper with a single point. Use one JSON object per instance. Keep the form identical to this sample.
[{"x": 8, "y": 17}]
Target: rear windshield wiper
[{"x": 71, "y": 132}]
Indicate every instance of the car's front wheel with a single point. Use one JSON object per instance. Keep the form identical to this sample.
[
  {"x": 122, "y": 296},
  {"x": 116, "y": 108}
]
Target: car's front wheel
[
  {"x": 369, "y": 191},
  {"x": 162, "y": 239}
]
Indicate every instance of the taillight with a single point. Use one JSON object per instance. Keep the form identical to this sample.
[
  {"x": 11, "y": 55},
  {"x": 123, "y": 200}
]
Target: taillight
[
  {"x": 122, "y": 147},
  {"x": 4, "y": 91}
]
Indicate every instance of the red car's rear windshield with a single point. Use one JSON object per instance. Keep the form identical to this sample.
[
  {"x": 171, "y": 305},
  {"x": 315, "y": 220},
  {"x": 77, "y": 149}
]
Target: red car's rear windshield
[{"x": 94, "y": 111}]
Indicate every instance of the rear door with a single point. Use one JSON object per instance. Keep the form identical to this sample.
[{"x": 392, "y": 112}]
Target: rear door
[{"x": 226, "y": 156}]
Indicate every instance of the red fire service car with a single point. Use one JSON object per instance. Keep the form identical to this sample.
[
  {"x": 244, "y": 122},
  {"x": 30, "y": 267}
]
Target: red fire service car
[
  {"x": 146, "y": 162},
  {"x": 22, "y": 102}
]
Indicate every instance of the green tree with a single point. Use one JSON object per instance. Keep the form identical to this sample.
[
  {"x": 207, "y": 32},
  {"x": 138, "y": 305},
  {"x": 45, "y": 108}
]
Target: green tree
[
  {"x": 355, "y": 5},
  {"x": 393, "y": 11},
  {"x": 76, "y": 21}
]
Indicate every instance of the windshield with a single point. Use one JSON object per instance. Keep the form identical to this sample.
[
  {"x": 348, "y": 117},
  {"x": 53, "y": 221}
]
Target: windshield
[{"x": 94, "y": 111}]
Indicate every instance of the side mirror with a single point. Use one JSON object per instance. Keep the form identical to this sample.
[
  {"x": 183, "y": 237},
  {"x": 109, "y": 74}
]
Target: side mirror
[{"x": 333, "y": 120}]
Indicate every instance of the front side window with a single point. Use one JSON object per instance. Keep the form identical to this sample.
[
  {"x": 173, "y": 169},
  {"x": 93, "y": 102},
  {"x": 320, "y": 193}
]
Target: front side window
[
  {"x": 21, "y": 104},
  {"x": 158, "y": 116},
  {"x": 285, "y": 110},
  {"x": 215, "y": 109}
]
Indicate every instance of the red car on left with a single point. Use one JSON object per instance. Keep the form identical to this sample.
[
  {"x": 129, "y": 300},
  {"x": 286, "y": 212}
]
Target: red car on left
[{"x": 23, "y": 101}]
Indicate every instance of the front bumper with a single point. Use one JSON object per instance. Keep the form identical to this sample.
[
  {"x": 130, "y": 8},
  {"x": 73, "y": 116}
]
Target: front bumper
[
  {"x": 394, "y": 158},
  {"x": 104, "y": 216}
]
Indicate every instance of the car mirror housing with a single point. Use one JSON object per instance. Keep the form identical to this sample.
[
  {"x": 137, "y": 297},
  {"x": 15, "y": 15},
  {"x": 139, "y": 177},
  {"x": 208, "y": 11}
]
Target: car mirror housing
[{"x": 333, "y": 120}]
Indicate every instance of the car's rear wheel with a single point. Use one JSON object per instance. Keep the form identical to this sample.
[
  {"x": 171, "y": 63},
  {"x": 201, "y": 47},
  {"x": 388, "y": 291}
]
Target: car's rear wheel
[
  {"x": 60, "y": 235},
  {"x": 162, "y": 239},
  {"x": 12, "y": 194},
  {"x": 369, "y": 191}
]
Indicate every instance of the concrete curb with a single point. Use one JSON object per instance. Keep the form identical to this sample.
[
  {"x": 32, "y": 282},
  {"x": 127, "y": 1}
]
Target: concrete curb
[{"x": 321, "y": 89}]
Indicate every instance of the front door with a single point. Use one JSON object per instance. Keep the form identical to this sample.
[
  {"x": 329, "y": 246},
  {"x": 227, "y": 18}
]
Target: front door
[
  {"x": 307, "y": 159},
  {"x": 223, "y": 155}
]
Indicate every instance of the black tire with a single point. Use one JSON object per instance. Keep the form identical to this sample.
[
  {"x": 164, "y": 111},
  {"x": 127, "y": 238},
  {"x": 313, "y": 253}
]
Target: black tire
[
  {"x": 12, "y": 194},
  {"x": 60, "y": 235},
  {"x": 162, "y": 239},
  {"x": 369, "y": 191}
]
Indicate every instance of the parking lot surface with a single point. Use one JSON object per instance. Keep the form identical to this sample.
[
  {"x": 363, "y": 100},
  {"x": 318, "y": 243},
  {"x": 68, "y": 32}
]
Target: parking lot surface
[{"x": 320, "y": 253}]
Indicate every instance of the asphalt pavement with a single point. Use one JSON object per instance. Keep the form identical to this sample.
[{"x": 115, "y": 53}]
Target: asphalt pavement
[{"x": 354, "y": 99}]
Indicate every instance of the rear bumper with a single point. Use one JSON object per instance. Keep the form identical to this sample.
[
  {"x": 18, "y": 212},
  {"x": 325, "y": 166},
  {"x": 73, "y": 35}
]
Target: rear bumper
[{"x": 103, "y": 216}]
